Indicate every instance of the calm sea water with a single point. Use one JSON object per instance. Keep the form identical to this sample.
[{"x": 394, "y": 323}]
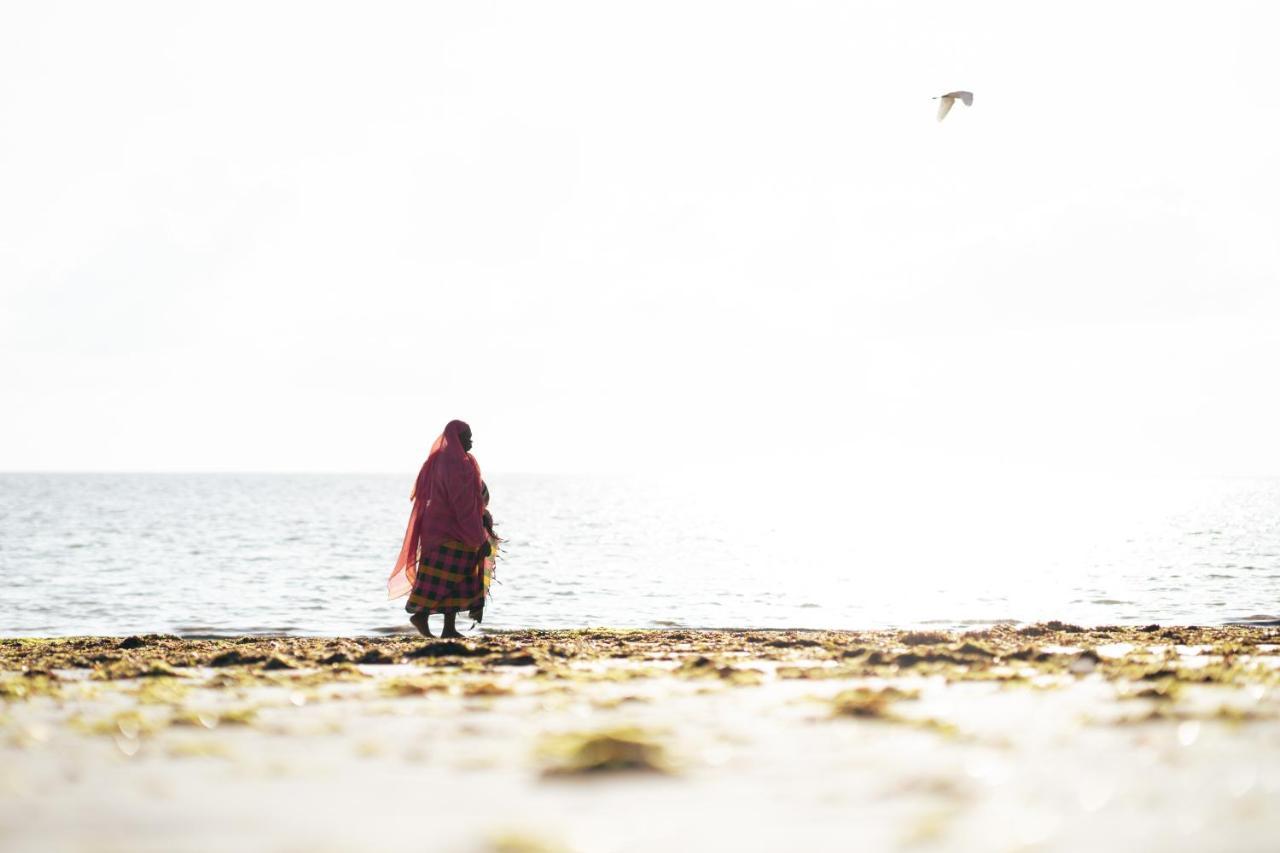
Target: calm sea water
[{"x": 309, "y": 554}]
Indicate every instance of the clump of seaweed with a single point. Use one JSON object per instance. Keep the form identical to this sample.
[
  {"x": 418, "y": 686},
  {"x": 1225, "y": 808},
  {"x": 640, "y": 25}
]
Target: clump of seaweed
[
  {"x": 23, "y": 688},
  {"x": 525, "y": 659},
  {"x": 195, "y": 719},
  {"x": 704, "y": 667},
  {"x": 611, "y": 702},
  {"x": 1165, "y": 690},
  {"x": 378, "y": 656},
  {"x": 446, "y": 649},
  {"x": 227, "y": 679},
  {"x": 234, "y": 657},
  {"x": 198, "y": 748},
  {"x": 924, "y": 638},
  {"x": 971, "y": 649},
  {"x": 1230, "y": 714},
  {"x": 813, "y": 673},
  {"x": 161, "y": 691},
  {"x": 869, "y": 702},
  {"x": 127, "y": 668},
  {"x": 245, "y": 715},
  {"x": 130, "y": 724},
  {"x": 608, "y": 751},
  {"x": 523, "y": 842},
  {"x": 414, "y": 686},
  {"x": 485, "y": 688},
  {"x": 791, "y": 642},
  {"x": 328, "y": 675}
]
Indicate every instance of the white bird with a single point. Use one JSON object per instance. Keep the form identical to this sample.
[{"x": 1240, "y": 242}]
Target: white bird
[{"x": 944, "y": 105}]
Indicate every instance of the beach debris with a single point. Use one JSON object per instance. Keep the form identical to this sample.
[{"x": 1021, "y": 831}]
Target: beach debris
[
  {"x": 514, "y": 841},
  {"x": 198, "y": 719},
  {"x": 525, "y": 659},
  {"x": 609, "y": 703},
  {"x": 485, "y": 688},
  {"x": 971, "y": 649},
  {"x": 446, "y": 648},
  {"x": 606, "y": 751},
  {"x": 245, "y": 715},
  {"x": 341, "y": 672},
  {"x": 705, "y": 667},
  {"x": 199, "y": 747},
  {"x": 924, "y": 638},
  {"x": 1051, "y": 627},
  {"x": 1165, "y": 690},
  {"x": 128, "y": 746},
  {"x": 931, "y": 827},
  {"x": 161, "y": 691},
  {"x": 377, "y": 656},
  {"x": 1030, "y": 654},
  {"x": 31, "y": 734},
  {"x": 129, "y": 668},
  {"x": 414, "y": 686},
  {"x": 23, "y": 688},
  {"x": 1084, "y": 663},
  {"x": 235, "y": 657},
  {"x": 278, "y": 661},
  {"x": 793, "y": 642},
  {"x": 789, "y": 673},
  {"x": 869, "y": 702},
  {"x": 130, "y": 723}
]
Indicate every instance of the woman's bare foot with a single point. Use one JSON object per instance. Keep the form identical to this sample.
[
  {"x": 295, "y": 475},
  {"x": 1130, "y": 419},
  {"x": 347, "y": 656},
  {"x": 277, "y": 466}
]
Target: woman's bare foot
[
  {"x": 419, "y": 621},
  {"x": 450, "y": 631}
]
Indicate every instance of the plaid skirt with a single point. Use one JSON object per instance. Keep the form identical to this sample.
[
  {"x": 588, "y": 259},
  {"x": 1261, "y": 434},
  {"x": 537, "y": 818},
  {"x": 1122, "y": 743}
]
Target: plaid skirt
[{"x": 449, "y": 580}]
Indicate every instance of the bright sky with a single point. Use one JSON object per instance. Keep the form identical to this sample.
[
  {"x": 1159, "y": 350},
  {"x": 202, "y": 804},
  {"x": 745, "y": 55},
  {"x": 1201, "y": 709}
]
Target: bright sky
[{"x": 302, "y": 236}]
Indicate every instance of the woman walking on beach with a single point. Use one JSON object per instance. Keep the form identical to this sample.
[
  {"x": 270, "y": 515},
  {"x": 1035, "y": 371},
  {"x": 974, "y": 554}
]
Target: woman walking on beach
[{"x": 449, "y": 544}]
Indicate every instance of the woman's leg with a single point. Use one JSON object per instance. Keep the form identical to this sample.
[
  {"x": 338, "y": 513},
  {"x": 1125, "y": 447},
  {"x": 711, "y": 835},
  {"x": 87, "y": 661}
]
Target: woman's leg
[
  {"x": 450, "y": 629},
  {"x": 419, "y": 621}
]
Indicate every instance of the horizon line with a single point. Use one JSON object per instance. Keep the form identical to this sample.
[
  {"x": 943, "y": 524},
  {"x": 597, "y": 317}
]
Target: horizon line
[{"x": 1266, "y": 475}]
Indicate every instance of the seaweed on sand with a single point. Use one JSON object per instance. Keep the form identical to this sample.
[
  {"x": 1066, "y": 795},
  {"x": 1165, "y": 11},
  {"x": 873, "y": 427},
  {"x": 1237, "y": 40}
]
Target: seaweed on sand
[
  {"x": 704, "y": 667},
  {"x": 128, "y": 668},
  {"x": 868, "y": 702},
  {"x": 161, "y": 691},
  {"x": 414, "y": 686},
  {"x": 523, "y": 842},
  {"x": 23, "y": 688},
  {"x": 606, "y": 751},
  {"x": 447, "y": 649}
]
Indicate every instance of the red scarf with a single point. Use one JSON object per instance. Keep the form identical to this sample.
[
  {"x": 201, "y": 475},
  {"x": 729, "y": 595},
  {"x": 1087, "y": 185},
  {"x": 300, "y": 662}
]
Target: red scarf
[{"x": 447, "y": 506}]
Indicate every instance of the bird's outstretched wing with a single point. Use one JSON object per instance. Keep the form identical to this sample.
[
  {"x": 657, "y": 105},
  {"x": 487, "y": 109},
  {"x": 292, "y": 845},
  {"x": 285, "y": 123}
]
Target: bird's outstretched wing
[
  {"x": 967, "y": 97},
  {"x": 944, "y": 106}
]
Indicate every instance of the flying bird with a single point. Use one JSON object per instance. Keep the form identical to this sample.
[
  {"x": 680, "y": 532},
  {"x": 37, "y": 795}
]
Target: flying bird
[{"x": 944, "y": 105}]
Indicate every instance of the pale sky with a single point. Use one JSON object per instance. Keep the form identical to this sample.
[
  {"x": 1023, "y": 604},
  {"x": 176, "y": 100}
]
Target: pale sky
[{"x": 302, "y": 236}]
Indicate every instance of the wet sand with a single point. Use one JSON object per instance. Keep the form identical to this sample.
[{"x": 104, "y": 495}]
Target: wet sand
[{"x": 1046, "y": 737}]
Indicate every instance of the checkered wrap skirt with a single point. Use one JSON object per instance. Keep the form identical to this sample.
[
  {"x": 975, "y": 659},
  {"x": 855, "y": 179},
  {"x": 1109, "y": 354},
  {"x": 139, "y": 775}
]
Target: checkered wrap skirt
[{"x": 449, "y": 580}]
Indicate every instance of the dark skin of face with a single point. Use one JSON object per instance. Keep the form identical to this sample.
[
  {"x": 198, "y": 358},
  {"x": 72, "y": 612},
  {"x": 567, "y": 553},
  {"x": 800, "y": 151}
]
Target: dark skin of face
[{"x": 465, "y": 435}]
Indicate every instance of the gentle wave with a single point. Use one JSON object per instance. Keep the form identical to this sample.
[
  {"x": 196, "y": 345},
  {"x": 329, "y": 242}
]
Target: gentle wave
[{"x": 309, "y": 554}]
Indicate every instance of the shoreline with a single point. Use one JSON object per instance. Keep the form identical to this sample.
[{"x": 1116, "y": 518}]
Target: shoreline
[
  {"x": 1040, "y": 737},
  {"x": 407, "y": 631}
]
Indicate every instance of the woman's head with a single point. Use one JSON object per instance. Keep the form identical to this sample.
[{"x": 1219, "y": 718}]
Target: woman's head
[{"x": 460, "y": 432}]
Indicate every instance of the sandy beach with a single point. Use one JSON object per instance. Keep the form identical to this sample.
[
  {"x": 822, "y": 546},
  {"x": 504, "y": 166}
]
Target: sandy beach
[{"x": 1044, "y": 737}]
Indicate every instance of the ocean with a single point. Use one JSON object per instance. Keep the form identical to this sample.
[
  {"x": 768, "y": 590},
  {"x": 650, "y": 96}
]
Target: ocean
[{"x": 308, "y": 554}]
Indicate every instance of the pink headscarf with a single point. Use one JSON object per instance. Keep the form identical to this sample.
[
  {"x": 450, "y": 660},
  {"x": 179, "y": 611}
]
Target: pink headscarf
[{"x": 447, "y": 506}]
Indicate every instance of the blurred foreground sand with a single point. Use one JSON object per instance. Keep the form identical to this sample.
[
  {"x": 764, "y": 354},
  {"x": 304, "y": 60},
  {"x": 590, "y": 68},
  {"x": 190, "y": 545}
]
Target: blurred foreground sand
[{"x": 1045, "y": 737}]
